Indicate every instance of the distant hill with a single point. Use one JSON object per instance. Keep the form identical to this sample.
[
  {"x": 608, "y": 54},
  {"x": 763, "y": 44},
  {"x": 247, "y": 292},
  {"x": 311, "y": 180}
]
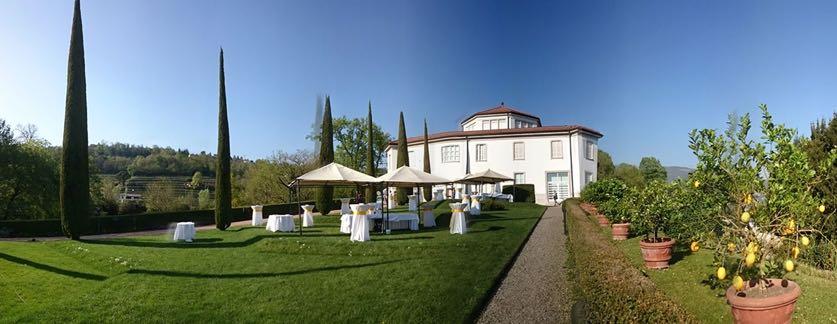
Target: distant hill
[{"x": 676, "y": 172}]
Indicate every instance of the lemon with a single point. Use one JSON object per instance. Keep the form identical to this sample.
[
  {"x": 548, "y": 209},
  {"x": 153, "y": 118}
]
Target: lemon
[
  {"x": 821, "y": 208},
  {"x": 805, "y": 241},
  {"x": 731, "y": 247},
  {"x": 722, "y": 273},
  {"x": 750, "y": 259},
  {"x": 745, "y": 217},
  {"x": 695, "y": 246},
  {"x": 752, "y": 247},
  {"x": 749, "y": 199},
  {"x": 791, "y": 226},
  {"x": 738, "y": 283},
  {"x": 789, "y": 265},
  {"x": 795, "y": 252}
]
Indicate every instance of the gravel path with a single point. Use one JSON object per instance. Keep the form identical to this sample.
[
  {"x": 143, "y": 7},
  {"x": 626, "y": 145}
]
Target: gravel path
[{"x": 535, "y": 290}]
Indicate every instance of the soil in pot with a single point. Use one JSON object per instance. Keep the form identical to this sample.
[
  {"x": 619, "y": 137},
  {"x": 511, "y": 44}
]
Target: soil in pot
[
  {"x": 656, "y": 253},
  {"x": 620, "y": 231},
  {"x": 774, "y": 304}
]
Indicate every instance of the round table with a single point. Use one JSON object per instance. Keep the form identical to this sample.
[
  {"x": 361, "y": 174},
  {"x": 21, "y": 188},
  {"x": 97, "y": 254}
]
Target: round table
[
  {"x": 280, "y": 223},
  {"x": 184, "y": 231}
]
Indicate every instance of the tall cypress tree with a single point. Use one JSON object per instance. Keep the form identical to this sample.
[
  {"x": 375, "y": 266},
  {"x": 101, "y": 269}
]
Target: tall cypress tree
[
  {"x": 325, "y": 194},
  {"x": 74, "y": 192},
  {"x": 428, "y": 190},
  {"x": 370, "y": 153},
  {"x": 223, "y": 183},
  {"x": 403, "y": 159}
]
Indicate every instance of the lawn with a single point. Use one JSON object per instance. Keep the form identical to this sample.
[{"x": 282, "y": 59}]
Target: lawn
[
  {"x": 247, "y": 274},
  {"x": 683, "y": 283}
]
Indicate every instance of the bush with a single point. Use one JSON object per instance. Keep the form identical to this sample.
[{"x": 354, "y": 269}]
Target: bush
[
  {"x": 131, "y": 207},
  {"x": 656, "y": 206},
  {"x": 522, "y": 192},
  {"x": 492, "y": 204},
  {"x": 604, "y": 190},
  {"x": 610, "y": 289}
]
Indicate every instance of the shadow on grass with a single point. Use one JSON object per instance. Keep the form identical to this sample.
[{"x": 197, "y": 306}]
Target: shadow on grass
[
  {"x": 207, "y": 243},
  {"x": 679, "y": 252},
  {"x": 182, "y": 274},
  {"x": 489, "y": 229},
  {"x": 49, "y": 268},
  {"x": 383, "y": 239}
]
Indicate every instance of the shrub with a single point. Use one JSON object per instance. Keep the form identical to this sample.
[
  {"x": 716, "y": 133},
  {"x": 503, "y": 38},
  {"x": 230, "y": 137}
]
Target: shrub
[
  {"x": 131, "y": 207},
  {"x": 522, "y": 192},
  {"x": 492, "y": 204},
  {"x": 610, "y": 289},
  {"x": 603, "y": 190}
]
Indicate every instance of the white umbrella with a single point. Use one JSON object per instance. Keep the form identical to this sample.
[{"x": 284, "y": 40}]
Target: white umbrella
[
  {"x": 406, "y": 176},
  {"x": 487, "y": 176},
  {"x": 333, "y": 174}
]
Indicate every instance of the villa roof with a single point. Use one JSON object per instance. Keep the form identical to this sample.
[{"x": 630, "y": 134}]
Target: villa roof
[
  {"x": 502, "y": 109},
  {"x": 505, "y": 131}
]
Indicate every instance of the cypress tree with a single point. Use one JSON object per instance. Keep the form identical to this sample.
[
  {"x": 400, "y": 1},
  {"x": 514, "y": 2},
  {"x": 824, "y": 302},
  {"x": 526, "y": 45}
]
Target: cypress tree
[
  {"x": 223, "y": 183},
  {"x": 370, "y": 153},
  {"x": 403, "y": 159},
  {"x": 428, "y": 190},
  {"x": 325, "y": 194},
  {"x": 74, "y": 192}
]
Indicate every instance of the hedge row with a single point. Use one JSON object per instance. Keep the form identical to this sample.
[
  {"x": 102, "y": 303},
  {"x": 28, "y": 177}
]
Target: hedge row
[
  {"x": 608, "y": 287},
  {"x": 135, "y": 222},
  {"x": 521, "y": 192}
]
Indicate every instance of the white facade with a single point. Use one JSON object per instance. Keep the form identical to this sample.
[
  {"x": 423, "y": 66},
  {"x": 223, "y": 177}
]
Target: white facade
[{"x": 553, "y": 158}]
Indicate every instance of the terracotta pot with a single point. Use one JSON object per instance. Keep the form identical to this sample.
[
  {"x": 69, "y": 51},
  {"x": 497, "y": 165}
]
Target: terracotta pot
[
  {"x": 602, "y": 220},
  {"x": 657, "y": 255},
  {"x": 773, "y": 309},
  {"x": 620, "y": 231}
]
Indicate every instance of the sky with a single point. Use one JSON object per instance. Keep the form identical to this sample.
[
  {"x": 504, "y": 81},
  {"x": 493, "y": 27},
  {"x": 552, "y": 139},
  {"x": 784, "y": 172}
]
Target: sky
[{"x": 644, "y": 73}]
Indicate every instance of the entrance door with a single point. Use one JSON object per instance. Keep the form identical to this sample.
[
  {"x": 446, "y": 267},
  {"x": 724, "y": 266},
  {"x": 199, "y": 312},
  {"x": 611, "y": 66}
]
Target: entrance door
[{"x": 557, "y": 182}]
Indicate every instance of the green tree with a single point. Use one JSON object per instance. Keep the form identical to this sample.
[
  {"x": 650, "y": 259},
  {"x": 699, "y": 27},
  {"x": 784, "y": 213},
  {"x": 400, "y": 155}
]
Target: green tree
[
  {"x": 403, "y": 160},
  {"x": 30, "y": 173},
  {"x": 325, "y": 194},
  {"x": 197, "y": 180},
  {"x": 74, "y": 193},
  {"x": 370, "y": 154},
  {"x": 265, "y": 182},
  {"x": 223, "y": 181},
  {"x": 629, "y": 174},
  {"x": 428, "y": 190},
  {"x": 605, "y": 167},
  {"x": 160, "y": 196},
  {"x": 652, "y": 170},
  {"x": 204, "y": 199}
]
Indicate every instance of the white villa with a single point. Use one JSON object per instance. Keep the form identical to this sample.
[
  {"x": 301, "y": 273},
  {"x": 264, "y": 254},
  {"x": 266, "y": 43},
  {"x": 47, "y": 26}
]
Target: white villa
[{"x": 556, "y": 159}]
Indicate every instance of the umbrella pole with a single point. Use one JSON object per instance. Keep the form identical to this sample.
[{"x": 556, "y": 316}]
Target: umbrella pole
[
  {"x": 385, "y": 224},
  {"x": 299, "y": 209}
]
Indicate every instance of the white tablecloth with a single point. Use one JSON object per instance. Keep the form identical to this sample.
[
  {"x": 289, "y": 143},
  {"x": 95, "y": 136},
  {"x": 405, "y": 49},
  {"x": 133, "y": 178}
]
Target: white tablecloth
[
  {"x": 308, "y": 216},
  {"x": 284, "y": 223},
  {"x": 466, "y": 202},
  {"x": 458, "y": 225},
  {"x": 184, "y": 231},
  {"x": 400, "y": 221},
  {"x": 413, "y": 203},
  {"x": 360, "y": 225},
  {"x": 475, "y": 206},
  {"x": 428, "y": 217},
  {"x": 346, "y": 223},
  {"x": 344, "y": 206},
  {"x": 257, "y": 215}
]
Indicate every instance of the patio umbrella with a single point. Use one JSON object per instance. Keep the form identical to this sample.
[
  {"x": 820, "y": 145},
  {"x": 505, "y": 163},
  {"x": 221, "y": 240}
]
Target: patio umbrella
[
  {"x": 407, "y": 177},
  {"x": 487, "y": 176}
]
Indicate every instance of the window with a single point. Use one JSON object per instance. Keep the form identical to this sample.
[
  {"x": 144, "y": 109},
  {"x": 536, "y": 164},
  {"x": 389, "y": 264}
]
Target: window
[
  {"x": 450, "y": 153},
  {"x": 486, "y": 124},
  {"x": 588, "y": 178},
  {"x": 557, "y": 148},
  {"x": 519, "y": 151},
  {"x": 589, "y": 150},
  {"x": 519, "y": 177},
  {"x": 482, "y": 153},
  {"x": 495, "y": 123},
  {"x": 503, "y": 124}
]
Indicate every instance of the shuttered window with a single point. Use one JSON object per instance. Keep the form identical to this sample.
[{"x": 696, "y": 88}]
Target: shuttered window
[
  {"x": 519, "y": 151},
  {"x": 557, "y": 148}
]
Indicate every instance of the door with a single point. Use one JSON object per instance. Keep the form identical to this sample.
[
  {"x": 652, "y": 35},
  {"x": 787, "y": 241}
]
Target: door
[{"x": 557, "y": 182}]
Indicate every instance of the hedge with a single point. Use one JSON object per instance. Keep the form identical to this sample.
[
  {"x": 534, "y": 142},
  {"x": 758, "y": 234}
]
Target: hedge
[
  {"x": 135, "y": 222},
  {"x": 521, "y": 192},
  {"x": 609, "y": 288}
]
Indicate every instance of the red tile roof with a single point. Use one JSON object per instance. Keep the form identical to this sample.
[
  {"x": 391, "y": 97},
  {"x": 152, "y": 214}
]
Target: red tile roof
[
  {"x": 503, "y": 109},
  {"x": 506, "y": 131}
]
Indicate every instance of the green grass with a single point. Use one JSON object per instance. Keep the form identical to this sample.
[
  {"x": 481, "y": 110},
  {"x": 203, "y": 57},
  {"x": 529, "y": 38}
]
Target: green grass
[
  {"x": 683, "y": 282},
  {"x": 250, "y": 275}
]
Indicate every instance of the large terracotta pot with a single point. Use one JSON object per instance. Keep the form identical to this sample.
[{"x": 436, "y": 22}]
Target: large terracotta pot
[
  {"x": 773, "y": 309},
  {"x": 602, "y": 220},
  {"x": 657, "y": 254},
  {"x": 620, "y": 231}
]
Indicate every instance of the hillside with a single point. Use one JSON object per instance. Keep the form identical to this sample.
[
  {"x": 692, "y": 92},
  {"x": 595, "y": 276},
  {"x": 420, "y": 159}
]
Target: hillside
[{"x": 676, "y": 172}]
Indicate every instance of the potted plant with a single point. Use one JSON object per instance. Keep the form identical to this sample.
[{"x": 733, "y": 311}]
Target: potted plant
[
  {"x": 767, "y": 220},
  {"x": 621, "y": 215},
  {"x": 601, "y": 196},
  {"x": 655, "y": 208}
]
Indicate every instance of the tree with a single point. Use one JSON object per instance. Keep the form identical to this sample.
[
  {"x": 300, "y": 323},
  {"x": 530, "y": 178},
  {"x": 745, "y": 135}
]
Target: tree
[
  {"x": 74, "y": 189},
  {"x": 160, "y": 196},
  {"x": 223, "y": 181},
  {"x": 30, "y": 173},
  {"x": 428, "y": 190},
  {"x": 204, "y": 200},
  {"x": 630, "y": 175},
  {"x": 370, "y": 153},
  {"x": 605, "y": 167},
  {"x": 265, "y": 182},
  {"x": 325, "y": 194},
  {"x": 822, "y": 142},
  {"x": 403, "y": 160},
  {"x": 197, "y": 180},
  {"x": 652, "y": 169}
]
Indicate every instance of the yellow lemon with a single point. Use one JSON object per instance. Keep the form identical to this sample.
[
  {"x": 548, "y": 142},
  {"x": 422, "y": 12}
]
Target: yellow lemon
[
  {"x": 789, "y": 265},
  {"x": 731, "y": 247},
  {"x": 697, "y": 183},
  {"x": 792, "y": 226},
  {"x": 822, "y": 208},
  {"x": 695, "y": 247},
  {"x": 722, "y": 273},
  {"x": 795, "y": 252},
  {"x": 745, "y": 217},
  {"x": 752, "y": 248},
  {"x": 738, "y": 283},
  {"x": 750, "y": 259},
  {"x": 805, "y": 241},
  {"x": 749, "y": 199}
]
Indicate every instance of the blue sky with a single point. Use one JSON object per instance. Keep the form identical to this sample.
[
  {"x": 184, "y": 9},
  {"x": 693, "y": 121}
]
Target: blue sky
[{"x": 642, "y": 72}]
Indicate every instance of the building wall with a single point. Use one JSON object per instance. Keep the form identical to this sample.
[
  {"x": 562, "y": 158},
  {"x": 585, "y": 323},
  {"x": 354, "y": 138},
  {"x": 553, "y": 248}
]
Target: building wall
[
  {"x": 500, "y": 157},
  {"x": 505, "y": 121}
]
